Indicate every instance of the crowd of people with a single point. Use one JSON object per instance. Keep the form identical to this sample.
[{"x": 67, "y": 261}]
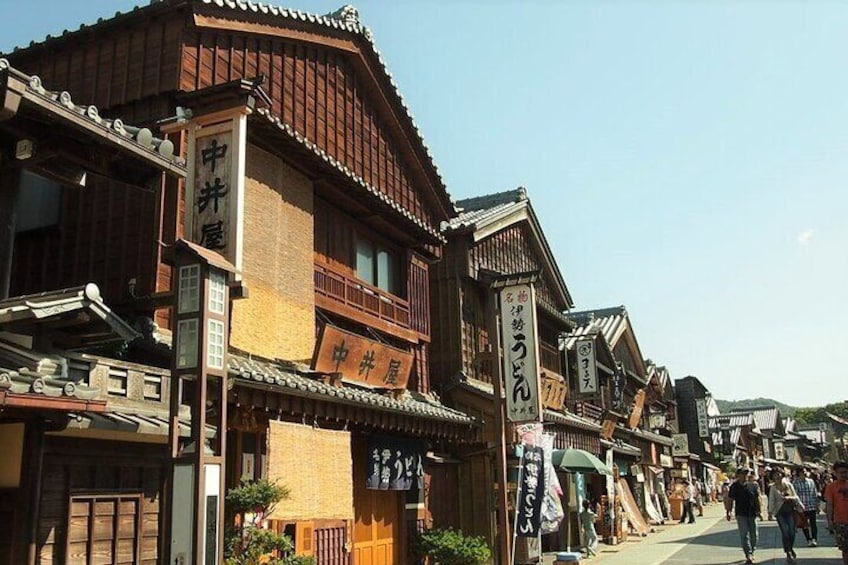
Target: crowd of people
[{"x": 794, "y": 501}]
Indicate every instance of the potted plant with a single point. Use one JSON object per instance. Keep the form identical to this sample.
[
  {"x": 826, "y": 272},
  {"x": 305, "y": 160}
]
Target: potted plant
[
  {"x": 247, "y": 541},
  {"x": 446, "y": 546}
]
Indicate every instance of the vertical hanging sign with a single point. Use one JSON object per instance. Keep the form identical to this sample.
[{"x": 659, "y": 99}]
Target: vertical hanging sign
[
  {"x": 215, "y": 187},
  {"x": 531, "y": 491},
  {"x": 520, "y": 353},
  {"x": 587, "y": 371},
  {"x": 703, "y": 419}
]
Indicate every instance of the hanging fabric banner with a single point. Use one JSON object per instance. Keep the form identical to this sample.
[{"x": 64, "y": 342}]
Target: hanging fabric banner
[
  {"x": 531, "y": 491},
  {"x": 394, "y": 464},
  {"x": 552, "y": 511}
]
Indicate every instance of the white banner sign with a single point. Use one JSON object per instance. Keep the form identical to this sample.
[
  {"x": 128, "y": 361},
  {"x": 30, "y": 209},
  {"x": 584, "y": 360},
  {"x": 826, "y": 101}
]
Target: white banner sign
[
  {"x": 703, "y": 419},
  {"x": 779, "y": 451},
  {"x": 587, "y": 370},
  {"x": 520, "y": 353},
  {"x": 680, "y": 445}
]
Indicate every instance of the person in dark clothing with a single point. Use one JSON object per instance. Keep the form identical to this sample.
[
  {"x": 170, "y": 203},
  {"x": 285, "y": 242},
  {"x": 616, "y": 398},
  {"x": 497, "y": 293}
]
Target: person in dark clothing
[{"x": 745, "y": 496}]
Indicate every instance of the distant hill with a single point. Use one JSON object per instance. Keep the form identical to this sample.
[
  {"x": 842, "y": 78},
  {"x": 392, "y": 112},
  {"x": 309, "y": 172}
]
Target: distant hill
[{"x": 728, "y": 405}]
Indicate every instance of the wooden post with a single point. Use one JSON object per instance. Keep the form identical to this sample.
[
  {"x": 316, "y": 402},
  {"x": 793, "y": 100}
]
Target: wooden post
[
  {"x": 10, "y": 188},
  {"x": 504, "y": 550},
  {"x": 199, "y": 372}
]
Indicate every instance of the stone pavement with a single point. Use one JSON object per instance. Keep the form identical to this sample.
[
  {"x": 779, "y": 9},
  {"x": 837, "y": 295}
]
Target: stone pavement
[{"x": 711, "y": 540}]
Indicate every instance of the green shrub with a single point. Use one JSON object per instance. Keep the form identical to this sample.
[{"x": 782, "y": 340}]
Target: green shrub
[
  {"x": 255, "y": 496},
  {"x": 450, "y": 547},
  {"x": 248, "y": 544}
]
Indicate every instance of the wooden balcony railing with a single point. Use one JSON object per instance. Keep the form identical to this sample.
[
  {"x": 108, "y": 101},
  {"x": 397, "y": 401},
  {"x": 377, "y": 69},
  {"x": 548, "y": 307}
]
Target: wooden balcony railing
[{"x": 362, "y": 297}]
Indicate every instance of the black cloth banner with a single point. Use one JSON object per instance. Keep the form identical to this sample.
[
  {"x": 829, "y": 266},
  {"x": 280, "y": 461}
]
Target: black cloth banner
[
  {"x": 394, "y": 464},
  {"x": 531, "y": 491}
]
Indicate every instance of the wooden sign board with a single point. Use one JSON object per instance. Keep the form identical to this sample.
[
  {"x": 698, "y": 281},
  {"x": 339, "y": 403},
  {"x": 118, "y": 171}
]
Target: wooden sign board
[
  {"x": 553, "y": 392},
  {"x": 638, "y": 405},
  {"x": 361, "y": 359},
  {"x": 608, "y": 426}
]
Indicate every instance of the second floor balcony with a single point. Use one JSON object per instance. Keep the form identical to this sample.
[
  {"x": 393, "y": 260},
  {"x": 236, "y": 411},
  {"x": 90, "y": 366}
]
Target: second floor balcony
[{"x": 352, "y": 298}]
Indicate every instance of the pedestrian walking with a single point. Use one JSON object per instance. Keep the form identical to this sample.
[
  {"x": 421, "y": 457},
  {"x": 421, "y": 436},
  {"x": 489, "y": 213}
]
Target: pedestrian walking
[
  {"x": 745, "y": 496},
  {"x": 783, "y": 502},
  {"x": 698, "y": 489},
  {"x": 836, "y": 501},
  {"x": 688, "y": 494},
  {"x": 587, "y": 525},
  {"x": 808, "y": 494}
]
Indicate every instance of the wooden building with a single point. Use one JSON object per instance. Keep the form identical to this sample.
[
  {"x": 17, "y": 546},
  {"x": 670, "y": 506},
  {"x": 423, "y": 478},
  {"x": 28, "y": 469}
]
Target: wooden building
[
  {"x": 336, "y": 207},
  {"x": 632, "y": 401},
  {"x": 83, "y": 434},
  {"x": 493, "y": 235}
]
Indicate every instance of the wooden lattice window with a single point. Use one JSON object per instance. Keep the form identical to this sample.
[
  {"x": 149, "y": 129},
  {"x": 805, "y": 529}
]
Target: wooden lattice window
[{"x": 104, "y": 529}]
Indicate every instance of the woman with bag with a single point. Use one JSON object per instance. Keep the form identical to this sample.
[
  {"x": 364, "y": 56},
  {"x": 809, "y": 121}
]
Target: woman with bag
[{"x": 783, "y": 502}]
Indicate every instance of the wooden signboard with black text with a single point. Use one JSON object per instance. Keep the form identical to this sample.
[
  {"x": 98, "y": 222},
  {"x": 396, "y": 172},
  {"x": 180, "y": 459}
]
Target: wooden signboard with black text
[{"x": 361, "y": 359}]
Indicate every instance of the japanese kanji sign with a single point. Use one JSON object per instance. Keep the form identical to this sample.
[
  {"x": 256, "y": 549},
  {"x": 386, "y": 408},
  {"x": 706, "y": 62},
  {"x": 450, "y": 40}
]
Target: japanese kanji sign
[
  {"x": 703, "y": 418},
  {"x": 361, "y": 359},
  {"x": 587, "y": 371},
  {"x": 520, "y": 353},
  {"x": 394, "y": 464},
  {"x": 531, "y": 491},
  {"x": 680, "y": 445},
  {"x": 214, "y": 188},
  {"x": 553, "y": 391},
  {"x": 618, "y": 382}
]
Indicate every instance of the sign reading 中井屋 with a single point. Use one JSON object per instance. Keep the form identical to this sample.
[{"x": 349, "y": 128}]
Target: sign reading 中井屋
[
  {"x": 215, "y": 186},
  {"x": 520, "y": 353},
  {"x": 361, "y": 359},
  {"x": 587, "y": 371}
]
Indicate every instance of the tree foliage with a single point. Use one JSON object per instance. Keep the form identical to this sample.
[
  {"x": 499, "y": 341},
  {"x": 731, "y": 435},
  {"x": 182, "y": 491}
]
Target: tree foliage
[
  {"x": 725, "y": 406},
  {"x": 817, "y": 415}
]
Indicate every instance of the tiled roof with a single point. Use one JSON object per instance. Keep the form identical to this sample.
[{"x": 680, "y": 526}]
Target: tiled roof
[
  {"x": 571, "y": 419},
  {"x": 159, "y": 151},
  {"x": 622, "y": 447},
  {"x": 766, "y": 417},
  {"x": 611, "y": 322},
  {"x": 472, "y": 211},
  {"x": 345, "y": 18},
  {"x": 567, "y": 418},
  {"x": 53, "y": 304},
  {"x": 735, "y": 419},
  {"x": 252, "y": 371},
  {"x": 132, "y": 422},
  {"x": 488, "y": 211},
  {"x": 651, "y": 436},
  {"x": 25, "y": 381},
  {"x": 344, "y": 170}
]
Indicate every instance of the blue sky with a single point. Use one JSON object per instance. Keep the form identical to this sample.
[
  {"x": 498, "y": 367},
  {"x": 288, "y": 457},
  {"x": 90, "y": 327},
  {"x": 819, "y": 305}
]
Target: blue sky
[{"x": 686, "y": 159}]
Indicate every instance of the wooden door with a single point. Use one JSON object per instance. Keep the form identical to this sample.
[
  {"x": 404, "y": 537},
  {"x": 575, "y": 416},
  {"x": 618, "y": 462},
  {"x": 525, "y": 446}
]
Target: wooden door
[
  {"x": 377, "y": 517},
  {"x": 104, "y": 530}
]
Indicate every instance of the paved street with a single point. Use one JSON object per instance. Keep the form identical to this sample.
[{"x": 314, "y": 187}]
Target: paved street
[{"x": 711, "y": 541}]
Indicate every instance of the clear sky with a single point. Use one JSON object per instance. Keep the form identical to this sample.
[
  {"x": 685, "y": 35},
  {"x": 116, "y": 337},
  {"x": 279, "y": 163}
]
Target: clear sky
[{"x": 686, "y": 159}]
